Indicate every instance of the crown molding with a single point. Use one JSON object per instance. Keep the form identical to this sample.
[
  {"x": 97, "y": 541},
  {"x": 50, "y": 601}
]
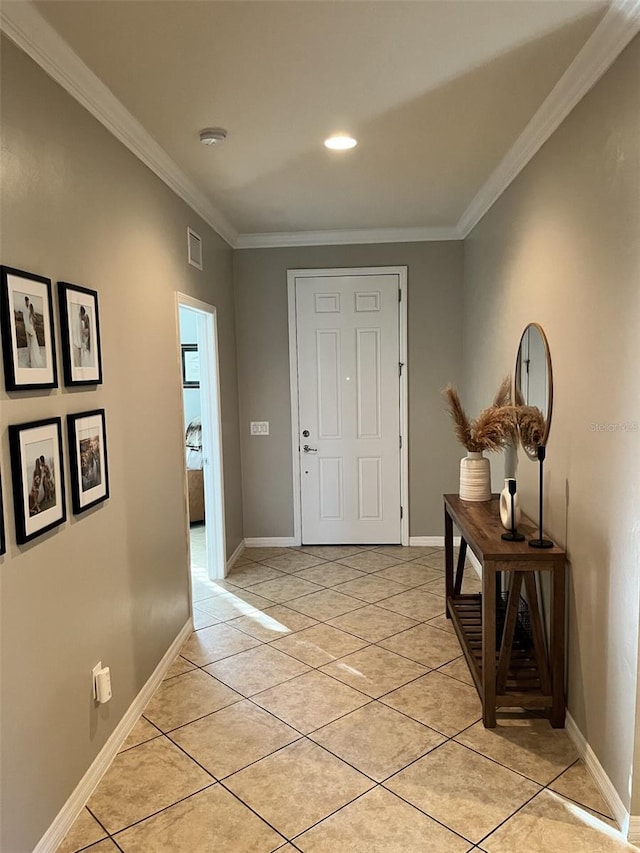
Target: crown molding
[
  {"x": 619, "y": 25},
  {"x": 25, "y": 26},
  {"x": 345, "y": 237}
]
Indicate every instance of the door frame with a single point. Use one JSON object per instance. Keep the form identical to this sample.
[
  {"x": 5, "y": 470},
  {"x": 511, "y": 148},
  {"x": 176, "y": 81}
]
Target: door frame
[
  {"x": 292, "y": 275},
  {"x": 211, "y": 414}
]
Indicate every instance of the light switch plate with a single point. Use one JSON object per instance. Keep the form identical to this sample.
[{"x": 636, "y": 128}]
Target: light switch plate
[{"x": 259, "y": 427}]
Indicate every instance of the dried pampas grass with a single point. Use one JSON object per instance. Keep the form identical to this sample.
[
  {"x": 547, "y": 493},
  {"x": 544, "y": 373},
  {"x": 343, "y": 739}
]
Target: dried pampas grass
[
  {"x": 532, "y": 426},
  {"x": 493, "y": 429},
  {"x": 461, "y": 423},
  {"x": 503, "y": 394}
]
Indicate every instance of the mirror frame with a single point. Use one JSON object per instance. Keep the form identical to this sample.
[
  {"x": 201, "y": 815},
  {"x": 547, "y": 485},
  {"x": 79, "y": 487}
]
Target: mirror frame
[{"x": 545, "y": 342}]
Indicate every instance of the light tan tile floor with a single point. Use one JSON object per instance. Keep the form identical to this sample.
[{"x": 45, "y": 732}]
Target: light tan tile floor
[{"x": 301, "y": 717}]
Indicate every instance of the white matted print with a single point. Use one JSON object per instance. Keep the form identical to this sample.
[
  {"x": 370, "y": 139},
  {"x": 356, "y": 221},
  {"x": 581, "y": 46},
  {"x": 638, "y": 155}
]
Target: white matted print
[
  {"x": 38, "y": 479},
  {"x": 80, "y": 327},
  {"x": 27, "y": 331},
  {"x": 88, "y": 459}
]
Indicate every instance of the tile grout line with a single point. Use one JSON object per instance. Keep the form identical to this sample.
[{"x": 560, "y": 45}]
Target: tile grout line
[
  {"x": 370, "y": 644},
  {"x": 405, "y": 587},
  {"x": 113, "y": 836},
  {"x": 566, "y": 797},
  {"x": 97, "y": 819},
  {"x": 512, "y": 815},
  {"x": 257, "y": 814},
  {"x": 99, "y": 840},
  {"x": 393, "y": 793},
  {"x": 495, "y": 760},
  {"x": 376, "y": 643},
  {"x": 433, "y": 669},
  {"x": 318, "y": 668},
  {"x": 307, "y": 737},
  {"x": 248, "y": 588},
  {"x": 372, "y": 699}
]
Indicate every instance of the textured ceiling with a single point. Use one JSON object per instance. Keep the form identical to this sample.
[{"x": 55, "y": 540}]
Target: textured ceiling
[{"x": 435, "y": 92}]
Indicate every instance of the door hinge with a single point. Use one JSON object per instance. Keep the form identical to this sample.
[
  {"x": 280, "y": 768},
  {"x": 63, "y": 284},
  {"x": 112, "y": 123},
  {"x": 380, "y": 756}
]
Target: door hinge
[
  {"x": 400, "y": 442},
  {"x": 401, "y": 512},
  {"x": 400, "y": 366},
  {"x": 399, "y": 295}
]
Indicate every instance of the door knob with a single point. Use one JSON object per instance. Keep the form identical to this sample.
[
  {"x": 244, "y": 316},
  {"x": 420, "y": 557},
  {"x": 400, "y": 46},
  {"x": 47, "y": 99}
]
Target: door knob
[{"x": 308, "y": 449}]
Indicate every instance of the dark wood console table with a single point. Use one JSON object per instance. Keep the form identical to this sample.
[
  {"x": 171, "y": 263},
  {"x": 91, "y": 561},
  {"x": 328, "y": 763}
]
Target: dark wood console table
[{"x": 502, "y": 636}]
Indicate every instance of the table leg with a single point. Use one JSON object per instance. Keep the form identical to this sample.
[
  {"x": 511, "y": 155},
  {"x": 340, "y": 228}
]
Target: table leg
[
  {"x": 557, "y": 645},
  {"x": 488, "y": 645},
  {"x": 508, "y": 632},
  {"x": 448, "y": 558},
  {"x": 462, "y": 556}
]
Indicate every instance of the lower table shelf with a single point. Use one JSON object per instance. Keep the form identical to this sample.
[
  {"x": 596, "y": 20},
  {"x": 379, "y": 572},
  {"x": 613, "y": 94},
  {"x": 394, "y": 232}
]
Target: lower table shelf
[
  {"x": 522, "y": 685},
  {"x": 512, "y": 662}
]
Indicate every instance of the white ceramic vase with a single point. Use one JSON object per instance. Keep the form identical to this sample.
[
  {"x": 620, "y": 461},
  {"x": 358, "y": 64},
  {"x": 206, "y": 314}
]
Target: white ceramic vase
[
  {"x": 475, "y": 478},
  {"x": 505, "y": 507}
]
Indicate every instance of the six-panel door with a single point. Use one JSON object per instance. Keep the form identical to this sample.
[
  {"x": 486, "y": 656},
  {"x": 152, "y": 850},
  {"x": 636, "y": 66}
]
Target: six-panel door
[{"x": 349, "y": 404}]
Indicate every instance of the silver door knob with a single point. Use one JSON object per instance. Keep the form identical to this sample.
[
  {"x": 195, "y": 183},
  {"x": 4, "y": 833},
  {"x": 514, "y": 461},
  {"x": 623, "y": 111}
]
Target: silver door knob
[{"x": 308, "y": 449}]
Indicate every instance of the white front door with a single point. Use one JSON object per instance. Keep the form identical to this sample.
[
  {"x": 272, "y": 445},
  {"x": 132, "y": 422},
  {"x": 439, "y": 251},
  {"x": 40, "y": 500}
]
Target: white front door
[{"x": 347, "y": 330}]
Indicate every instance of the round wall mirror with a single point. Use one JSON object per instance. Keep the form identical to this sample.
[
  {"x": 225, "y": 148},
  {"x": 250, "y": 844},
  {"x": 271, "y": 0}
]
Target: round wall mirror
[{"x": 533, "y": 389}]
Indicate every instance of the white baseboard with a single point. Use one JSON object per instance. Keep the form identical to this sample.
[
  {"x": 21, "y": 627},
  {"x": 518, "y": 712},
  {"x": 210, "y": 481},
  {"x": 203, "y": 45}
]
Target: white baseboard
[
  {"x": 475, "y": 562},
  {"x": 431, "y": 541},
  {"x": 89, "y": 782},
  {"x": 633, "y": 835},
  {"x": 604, "y": 784},
  {"x": 438, "y": 542},
  {"x": 232, "y": 559},
  {"x": 271, "y": 542}
]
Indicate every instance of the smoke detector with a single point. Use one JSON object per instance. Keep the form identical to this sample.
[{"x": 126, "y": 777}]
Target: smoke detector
[{"x": 213, "y": 135}]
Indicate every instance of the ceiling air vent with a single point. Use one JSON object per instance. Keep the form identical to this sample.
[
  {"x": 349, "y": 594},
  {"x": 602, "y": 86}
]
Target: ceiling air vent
[{"x": 194, "y": 249}]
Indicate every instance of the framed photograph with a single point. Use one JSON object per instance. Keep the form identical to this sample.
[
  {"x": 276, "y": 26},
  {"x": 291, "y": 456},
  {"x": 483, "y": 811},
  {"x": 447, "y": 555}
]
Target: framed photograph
[
  {"x": 38, "y": 477},
  {"x": 88, "y": 459},
  {"x": 80, "y": 330},
  {"x": 3, "y": 541},
  {"x": 26, "y": 317},
  {"x": 190, "y": 366}
]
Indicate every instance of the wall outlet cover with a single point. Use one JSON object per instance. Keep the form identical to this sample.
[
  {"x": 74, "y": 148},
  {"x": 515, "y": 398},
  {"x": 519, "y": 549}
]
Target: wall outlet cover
[
  {"x": 94, "y": 673},
  {"x": 259, "y": 427}
]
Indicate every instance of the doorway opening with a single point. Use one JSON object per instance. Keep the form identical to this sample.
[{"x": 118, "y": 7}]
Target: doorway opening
[{"x": 202, "y": 451}]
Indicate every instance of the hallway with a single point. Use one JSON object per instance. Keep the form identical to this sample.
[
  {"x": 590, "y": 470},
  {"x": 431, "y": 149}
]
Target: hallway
[{"x": 322, "y": 705}]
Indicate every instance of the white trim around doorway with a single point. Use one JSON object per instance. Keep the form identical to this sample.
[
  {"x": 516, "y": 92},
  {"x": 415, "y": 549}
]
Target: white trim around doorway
[
  {"x": 292, "y": 275},
  {"x": 212, "y": 429}
]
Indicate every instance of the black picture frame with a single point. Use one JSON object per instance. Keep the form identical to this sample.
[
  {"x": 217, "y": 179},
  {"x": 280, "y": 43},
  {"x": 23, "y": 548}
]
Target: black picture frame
[
  {"x": 80, "y": 333},
  {"x": 38, "y": 487},
  {"x": 89, "y": 479},
  {"x": 29, "y": 357},
  {"x": 3, "y": 540},
  {"x": 189, "y": 357}
]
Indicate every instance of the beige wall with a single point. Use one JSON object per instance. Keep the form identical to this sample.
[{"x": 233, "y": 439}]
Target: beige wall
[
  {"x": 111, "y": 584},
  {"x": 561, "y": 247},
  {"x": 434, "y": 355}
]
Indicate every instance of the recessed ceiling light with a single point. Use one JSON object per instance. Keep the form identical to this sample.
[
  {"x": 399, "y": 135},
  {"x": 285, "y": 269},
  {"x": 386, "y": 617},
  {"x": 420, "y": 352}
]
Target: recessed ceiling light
[
  {"x": 340, "y": 143},
  {"x": 213, "y": 135}
]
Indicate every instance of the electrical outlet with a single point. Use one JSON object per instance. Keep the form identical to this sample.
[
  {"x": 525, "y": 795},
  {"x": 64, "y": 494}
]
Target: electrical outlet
[
  {"x": 94, "y": 674},
  {"x": 259, "y": 427}
]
